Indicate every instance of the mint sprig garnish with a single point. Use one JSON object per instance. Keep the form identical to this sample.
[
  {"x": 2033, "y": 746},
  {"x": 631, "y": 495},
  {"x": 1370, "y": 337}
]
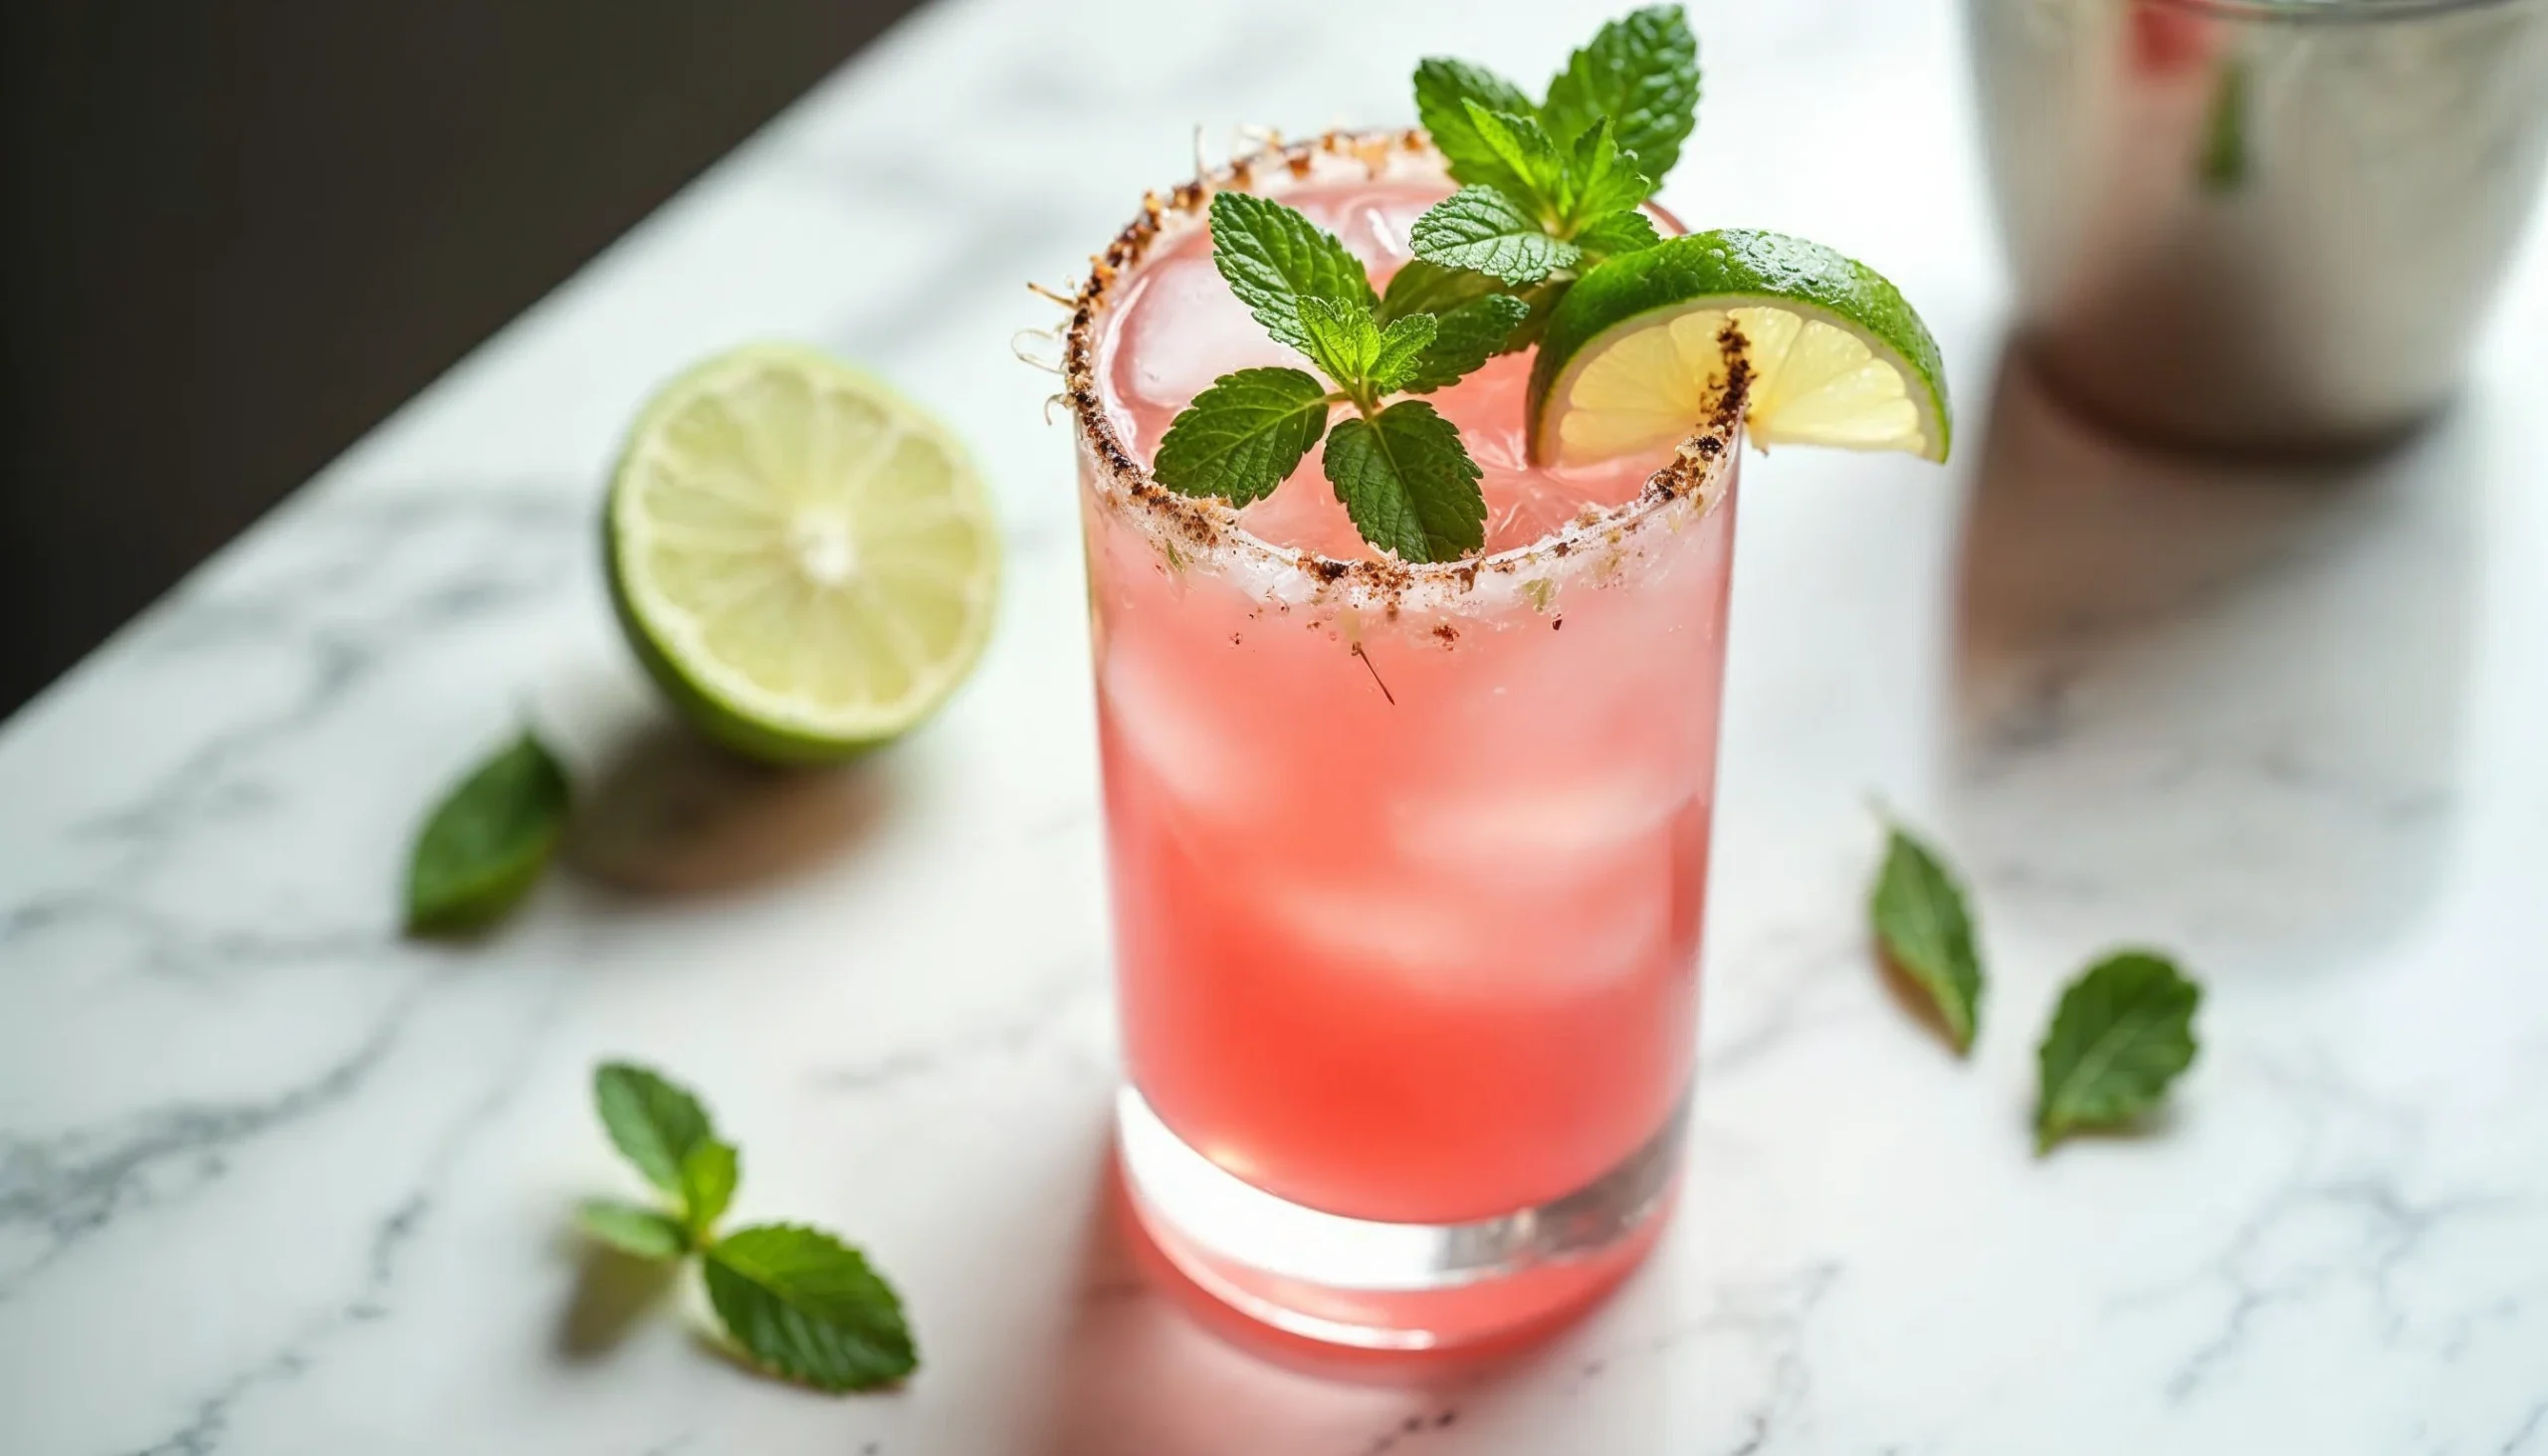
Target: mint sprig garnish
[
  {"x": 1925, "y": 930},
  {"x": 2123, "y": 1032},
  {"x": 1616, "y": 233},
  {"x": 1244, "y": 435},
  {"x": 1554, "y": 188},
  {"x": 485, "y": 845},
  {"x": 1446, "y": 90},
  {"x": 1475, "y": 319},
  {"x": 795, "y": 1299},
  {"x": 1487, "y": 230},
  {"x": 1407, "y": 482},
  {"x": 1548, "y": 189},
  {"x": 1465, "y": 339},
  {"x": 1641, "y": 75},
  {"x": 1400, "y": 470},
  {"x": 1273, "y": 258},
  {"x": 1600, "y": 183},
  {"x": 1350, "y": 346}
]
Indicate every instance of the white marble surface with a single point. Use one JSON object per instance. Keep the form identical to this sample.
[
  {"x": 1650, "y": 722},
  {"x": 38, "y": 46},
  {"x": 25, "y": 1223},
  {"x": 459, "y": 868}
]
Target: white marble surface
[{"x": 273, "y": 1182}]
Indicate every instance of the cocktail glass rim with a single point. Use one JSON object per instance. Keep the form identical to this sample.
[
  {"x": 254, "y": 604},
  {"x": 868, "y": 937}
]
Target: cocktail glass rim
[{"x": 1207, "y": 531}]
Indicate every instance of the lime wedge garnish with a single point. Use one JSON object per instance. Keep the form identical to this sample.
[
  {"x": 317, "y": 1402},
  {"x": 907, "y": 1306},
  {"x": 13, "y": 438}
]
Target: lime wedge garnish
[
  {"x": 1632, "y": 360},
  {"x": 805, "y": 560}
]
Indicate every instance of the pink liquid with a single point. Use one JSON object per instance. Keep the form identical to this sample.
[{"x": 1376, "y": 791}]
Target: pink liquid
[{"x": 1419, "y": 952}]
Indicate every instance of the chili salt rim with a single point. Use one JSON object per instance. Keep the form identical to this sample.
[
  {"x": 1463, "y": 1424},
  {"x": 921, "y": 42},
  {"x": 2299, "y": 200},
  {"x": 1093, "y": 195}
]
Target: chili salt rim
[{"x": 1209, "y": 528}]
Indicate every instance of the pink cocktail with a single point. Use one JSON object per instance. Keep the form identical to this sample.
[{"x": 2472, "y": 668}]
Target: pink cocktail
[{"x": 1408, "y": 861}]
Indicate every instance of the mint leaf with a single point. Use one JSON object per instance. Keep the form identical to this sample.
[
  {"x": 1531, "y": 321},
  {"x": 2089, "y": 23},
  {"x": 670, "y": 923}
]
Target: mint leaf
[
  {"x": 1641, "y": 72},
  {"x": 654, "y": 1124},
  {"x": 2123, "y": 1031},
  {"x": 708, "y": 1178},
  {"x": 1516, "y": 140},
  {"x": 1409, "y": 483},
  {"x": 1343, "y": 342},
  {"x": 1404, "y": 344},
  {"x": 1478, "y": 319},
  {"x": 1485, "y": 231},
  {"x": 632, "y": 1229},
  {"x": 486, "y": 843},
  {"x": 1463, "y": 339},
  {"x": 1926, "y": 932},
  {"x": 1273, "y": 258},
  {"x": 803, "y": 1304},
  {"x": 1420, "y": 287},
  {"x": 1444, "y": 89},
  {"x": 1614, "y": 233},
  {"x": 1244, "y": 436},
  {"x": 1600, "y": 180},
  {"x": 1364, "y": 359}
]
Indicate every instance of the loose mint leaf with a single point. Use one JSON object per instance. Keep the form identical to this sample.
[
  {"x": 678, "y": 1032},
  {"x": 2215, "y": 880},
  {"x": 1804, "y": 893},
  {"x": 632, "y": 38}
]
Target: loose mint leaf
[
  {"x": 654, "y": 1124},
  {"x": 1343, "y": 342},
  {"x": 1409, "y": 483},
  {"x": 807, "y": 1306},
  {"x": 485, "y": 845},
  {"x": 2123, "y": 1031},
  {"x": 1273, "y": 258},
  {"x": 1244, "y": 435},
  {"x": 1485, "y": 231},
  {"x": 1442, "y": 90},
  {"x": 708, "y": 1178},
  {"x": 1600, "y": 180},
  {"x": 1404, "y": 344},
  {"x": 1614, "y": 233},
  {"x": 1643, "y": 73},
  {"x": 1922, "y": 925},
  {"x": 1465, "y": 339},
  {"x": 1525, "y": 151},
  {"x": 632, "y": 1229}
]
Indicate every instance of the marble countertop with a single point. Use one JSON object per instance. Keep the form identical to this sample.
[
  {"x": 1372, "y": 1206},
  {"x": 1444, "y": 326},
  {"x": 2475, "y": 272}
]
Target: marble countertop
[{"x": 275, "y": 1180}]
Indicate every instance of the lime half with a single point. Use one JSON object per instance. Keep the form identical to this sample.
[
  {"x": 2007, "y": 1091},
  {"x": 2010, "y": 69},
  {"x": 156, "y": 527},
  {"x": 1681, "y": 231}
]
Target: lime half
[
  {"x": 805, "y": 560},
  {"x": 1633, "y": 359}
]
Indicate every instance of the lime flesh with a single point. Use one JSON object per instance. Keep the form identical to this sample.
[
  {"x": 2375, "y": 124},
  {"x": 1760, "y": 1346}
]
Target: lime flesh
[
  {"x": 1634, "y": 356},
  {"x": 804, "y": 559}
]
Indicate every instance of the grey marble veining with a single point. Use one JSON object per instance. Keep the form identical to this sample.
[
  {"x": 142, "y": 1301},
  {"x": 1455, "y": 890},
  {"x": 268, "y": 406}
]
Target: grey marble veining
[{"x": 273, "y": 1181}]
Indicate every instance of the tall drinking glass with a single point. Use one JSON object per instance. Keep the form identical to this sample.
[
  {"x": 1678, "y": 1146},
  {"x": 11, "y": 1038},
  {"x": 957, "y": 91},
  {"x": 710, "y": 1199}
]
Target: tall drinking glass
[
  {"x": 2261, "y": 223},
  {"x": 1408, "y": 861}
]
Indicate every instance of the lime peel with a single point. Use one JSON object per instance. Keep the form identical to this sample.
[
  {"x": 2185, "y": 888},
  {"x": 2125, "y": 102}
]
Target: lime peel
[{"x": 1632, "y": 357}]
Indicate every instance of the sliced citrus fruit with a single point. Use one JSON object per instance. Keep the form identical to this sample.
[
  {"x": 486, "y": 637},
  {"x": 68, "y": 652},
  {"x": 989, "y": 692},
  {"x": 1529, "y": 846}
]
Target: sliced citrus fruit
[
  {"x": 803, "y": 559},
  {"x": 1633, "y": 358}
]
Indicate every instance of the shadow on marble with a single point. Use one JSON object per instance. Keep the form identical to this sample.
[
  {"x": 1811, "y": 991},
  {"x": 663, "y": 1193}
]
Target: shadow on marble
[
  {"x": 2217, "y": 705},
  {"x": 669, "y": 813},
  {"x": 614, "y": 1292},
  {"x": 1152, "y": 1366}
]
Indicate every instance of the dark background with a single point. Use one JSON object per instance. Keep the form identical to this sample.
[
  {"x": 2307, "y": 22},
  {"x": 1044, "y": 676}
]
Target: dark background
[{"x": 240, "y": 232}]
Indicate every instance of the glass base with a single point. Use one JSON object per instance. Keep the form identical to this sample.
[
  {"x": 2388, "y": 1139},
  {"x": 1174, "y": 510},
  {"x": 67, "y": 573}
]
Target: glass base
[{"x": 1392, "y": 1286}]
